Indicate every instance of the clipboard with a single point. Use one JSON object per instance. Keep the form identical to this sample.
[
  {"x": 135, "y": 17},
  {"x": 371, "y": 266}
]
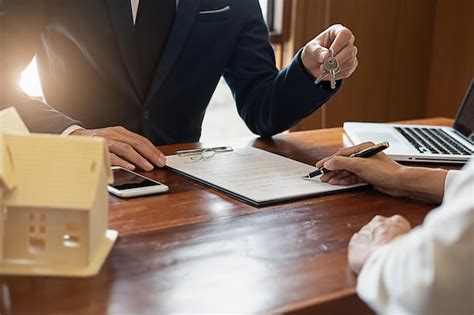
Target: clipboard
[{"x": 253, "y": 176}]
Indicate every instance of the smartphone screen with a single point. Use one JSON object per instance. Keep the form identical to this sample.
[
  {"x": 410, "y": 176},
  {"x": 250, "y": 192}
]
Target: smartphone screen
[{"x": 124, "y": 180}]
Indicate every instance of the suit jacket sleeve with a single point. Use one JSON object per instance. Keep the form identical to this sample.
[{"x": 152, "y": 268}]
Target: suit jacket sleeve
[
  {"x": 270, "y": 101},
  {"x": 21, "y": 23}
]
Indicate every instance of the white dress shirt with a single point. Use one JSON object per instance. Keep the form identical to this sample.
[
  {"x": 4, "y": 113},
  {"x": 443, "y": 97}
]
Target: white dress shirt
[
  {"x": 134, "y": 4},
  {"x": 431, "y": 269}
]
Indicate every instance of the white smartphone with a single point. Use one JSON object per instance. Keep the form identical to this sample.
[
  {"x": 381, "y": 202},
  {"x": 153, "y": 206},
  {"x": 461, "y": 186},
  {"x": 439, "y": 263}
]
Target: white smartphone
[{"x": 128, "y": 184}]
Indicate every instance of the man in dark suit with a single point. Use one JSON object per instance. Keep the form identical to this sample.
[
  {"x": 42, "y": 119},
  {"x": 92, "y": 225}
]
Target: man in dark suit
[{"x": 150, "y": 67}]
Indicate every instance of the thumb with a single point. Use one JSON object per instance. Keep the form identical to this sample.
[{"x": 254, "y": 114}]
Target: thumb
[
  {"x": 321, "y": 54},
  {"x": 342, "y": 163}
]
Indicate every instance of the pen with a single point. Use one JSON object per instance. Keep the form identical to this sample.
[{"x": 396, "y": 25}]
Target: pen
[{"x": 366, "y": 153}]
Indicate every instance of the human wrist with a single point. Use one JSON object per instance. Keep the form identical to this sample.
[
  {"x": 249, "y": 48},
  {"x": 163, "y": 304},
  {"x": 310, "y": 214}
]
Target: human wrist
[
  {"x": 422, "y": 182},
  {"x": 77, "y": 132},
  {"x": 404, "y": 177},
  {"x": 306, "y": 70},
  {"x": 70, "y": 130},
  {"x": 393, "y": 180},
  {"x": 80, "y": 132}
]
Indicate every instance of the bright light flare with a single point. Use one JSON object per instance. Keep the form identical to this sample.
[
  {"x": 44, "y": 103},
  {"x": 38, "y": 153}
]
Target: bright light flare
[{"x": 30, "y": 82}]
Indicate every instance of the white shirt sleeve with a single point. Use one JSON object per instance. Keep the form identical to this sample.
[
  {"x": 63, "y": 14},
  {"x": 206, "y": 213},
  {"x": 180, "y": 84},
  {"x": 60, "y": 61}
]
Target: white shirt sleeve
[
  {"x": 70, "y": 130},
  {"x": 431, "y": 269},
  {"x": 450, "y": 178}
]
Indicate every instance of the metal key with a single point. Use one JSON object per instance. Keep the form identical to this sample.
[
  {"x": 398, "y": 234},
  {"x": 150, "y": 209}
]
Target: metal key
[
  {"x": 323, "y": 74},
  {"x": 332, "y": 67}
]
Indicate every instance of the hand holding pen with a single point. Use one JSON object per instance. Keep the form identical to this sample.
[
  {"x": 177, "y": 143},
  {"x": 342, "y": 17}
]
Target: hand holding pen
[
  {"x": 365, "y": 152},
  {"x": 382, "y": 172}
]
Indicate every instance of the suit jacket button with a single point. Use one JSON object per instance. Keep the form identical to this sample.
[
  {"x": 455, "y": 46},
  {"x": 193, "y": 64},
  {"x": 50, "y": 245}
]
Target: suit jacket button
[{"x": 146, "y": 114}]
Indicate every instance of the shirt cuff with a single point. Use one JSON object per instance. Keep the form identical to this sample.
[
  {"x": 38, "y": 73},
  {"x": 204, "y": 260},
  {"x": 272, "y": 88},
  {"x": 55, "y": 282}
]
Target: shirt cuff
[
  {"x": 70, "y": 130},
  {"x": 370, "y": 282},
  {"x": 450, "y": 178}
]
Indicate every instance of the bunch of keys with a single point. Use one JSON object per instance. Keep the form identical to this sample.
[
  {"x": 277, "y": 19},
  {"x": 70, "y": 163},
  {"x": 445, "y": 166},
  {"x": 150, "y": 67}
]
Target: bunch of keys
[{"x": 331, "y": 68}]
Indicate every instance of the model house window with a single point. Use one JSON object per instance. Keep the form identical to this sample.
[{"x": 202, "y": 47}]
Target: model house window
[
  {"x": 36, "y": 232},
  {"x": 71, "y": 237}
]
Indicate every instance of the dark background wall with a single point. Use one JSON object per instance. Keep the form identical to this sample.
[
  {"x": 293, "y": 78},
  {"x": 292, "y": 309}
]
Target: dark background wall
[{"x": 416, "y": 57}]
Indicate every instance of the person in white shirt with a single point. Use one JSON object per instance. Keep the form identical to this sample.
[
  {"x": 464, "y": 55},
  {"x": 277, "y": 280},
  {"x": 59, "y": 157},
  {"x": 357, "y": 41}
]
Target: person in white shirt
[{"x": 425, "y": 270}]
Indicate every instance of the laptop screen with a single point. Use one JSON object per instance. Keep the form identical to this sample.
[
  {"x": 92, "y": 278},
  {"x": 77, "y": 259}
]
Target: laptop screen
[{"x": 464, "y": 122}]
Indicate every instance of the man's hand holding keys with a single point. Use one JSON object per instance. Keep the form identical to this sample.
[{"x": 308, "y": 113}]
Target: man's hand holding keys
[{"x": 337, "y": 41}]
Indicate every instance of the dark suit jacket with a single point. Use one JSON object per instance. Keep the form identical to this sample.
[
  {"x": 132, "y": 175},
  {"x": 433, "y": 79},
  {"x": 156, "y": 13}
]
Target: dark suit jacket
[{"x": 87, "y": 60}]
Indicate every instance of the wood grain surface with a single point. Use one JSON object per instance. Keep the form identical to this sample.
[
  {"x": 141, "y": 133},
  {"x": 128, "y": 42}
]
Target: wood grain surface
[{"x": 197, "y": 250}]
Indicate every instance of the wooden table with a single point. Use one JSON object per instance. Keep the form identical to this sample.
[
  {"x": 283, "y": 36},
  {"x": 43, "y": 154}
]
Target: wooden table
[{"x": 196, "y": 250}]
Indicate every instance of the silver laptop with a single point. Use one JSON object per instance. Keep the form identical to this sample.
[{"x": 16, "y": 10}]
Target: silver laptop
[{"x": 417, "y": 143}]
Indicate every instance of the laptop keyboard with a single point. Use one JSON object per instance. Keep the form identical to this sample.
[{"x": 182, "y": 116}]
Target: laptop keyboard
[{"x": 433, "y": 141}]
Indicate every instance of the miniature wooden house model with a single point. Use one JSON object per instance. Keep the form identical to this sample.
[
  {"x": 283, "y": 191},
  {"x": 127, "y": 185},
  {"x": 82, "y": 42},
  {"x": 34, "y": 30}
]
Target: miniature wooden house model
[{"x": 54, "y": 206}]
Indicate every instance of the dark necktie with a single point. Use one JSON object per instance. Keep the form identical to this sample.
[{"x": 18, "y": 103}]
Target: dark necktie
[{"x": 152, "y": 27}]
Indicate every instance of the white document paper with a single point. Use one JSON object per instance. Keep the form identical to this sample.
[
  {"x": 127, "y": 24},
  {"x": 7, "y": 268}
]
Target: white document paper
[{"x": 254, "y": 175}]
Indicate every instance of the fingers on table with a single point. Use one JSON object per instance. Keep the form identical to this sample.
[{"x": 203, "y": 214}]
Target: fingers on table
[
  {"x": 146, "y": 148},
  {"x": 125, "y": 151},
  {"x": 115, "y": 160},
  {"x": 133, "y": 148}
]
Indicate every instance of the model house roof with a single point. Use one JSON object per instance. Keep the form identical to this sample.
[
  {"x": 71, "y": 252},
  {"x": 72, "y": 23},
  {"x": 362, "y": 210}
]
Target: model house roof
[{"x": 56, "y": 172}]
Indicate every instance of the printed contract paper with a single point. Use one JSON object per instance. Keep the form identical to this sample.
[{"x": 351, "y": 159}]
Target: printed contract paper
[{"x": 254, "y": 175}]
